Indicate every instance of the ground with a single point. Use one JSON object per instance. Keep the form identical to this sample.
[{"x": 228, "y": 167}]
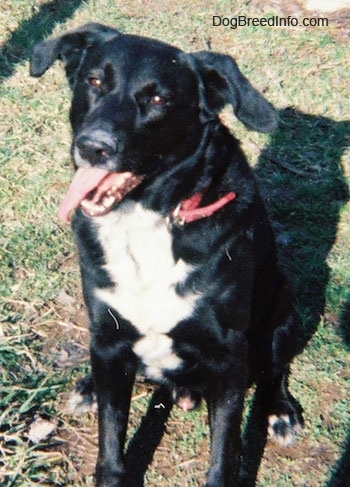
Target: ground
[{"x": 303, "y": 172}]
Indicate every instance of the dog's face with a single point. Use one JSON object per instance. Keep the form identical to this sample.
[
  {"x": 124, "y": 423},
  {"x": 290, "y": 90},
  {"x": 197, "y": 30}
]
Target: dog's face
[
  {"x": 135, "y": 107},
  {"x": 140, "y": 106}
]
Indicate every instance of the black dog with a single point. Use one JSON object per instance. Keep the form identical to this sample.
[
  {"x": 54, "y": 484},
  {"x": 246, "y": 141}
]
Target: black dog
[{"x": 177, "y": 255}]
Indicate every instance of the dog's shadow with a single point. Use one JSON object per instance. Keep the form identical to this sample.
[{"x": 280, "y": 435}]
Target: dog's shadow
[
  {"x": 340, "y": 474},
  {"x": 143, "y": 444},
  {"x": 44, "y": 19},
  {"x": 304, "y": 188}
]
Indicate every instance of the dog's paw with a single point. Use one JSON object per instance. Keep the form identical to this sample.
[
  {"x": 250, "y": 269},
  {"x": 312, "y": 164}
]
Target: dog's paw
[
  {"x": 82, "y": 399},
  {"x": 283, "y": 428},
  {"x": 186, "y": 399}
]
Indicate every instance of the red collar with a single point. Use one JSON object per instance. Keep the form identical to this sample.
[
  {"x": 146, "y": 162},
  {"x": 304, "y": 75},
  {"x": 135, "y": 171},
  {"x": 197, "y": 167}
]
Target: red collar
[{"x": 188, "y": 210}]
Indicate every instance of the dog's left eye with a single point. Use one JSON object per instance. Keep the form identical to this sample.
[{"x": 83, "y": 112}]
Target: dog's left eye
[{"x": 158, "y": 100}]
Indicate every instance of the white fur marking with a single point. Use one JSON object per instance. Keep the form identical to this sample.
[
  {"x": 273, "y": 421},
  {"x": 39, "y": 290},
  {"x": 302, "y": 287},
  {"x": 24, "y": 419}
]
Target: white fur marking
[
  {"x": 139, "y": 260},
  {"x": 137, "y": 247},
  {"x": 287, "y": 439},
  {"x": 78, "y": 404},
  {"x": 155, "y": 351}
]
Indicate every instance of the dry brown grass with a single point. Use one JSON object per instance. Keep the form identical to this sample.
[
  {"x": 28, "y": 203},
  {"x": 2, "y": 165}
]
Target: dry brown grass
[{"x": 43, "y": 333}]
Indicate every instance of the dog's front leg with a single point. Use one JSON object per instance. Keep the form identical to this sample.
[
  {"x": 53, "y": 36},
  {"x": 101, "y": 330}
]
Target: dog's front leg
[
  {"x": 113, "y": 370},
  {"x": 225, "y": 404}
]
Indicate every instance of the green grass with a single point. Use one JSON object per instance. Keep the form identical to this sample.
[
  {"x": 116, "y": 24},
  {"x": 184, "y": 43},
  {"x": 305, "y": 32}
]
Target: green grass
[{"x": 303, "y": 171}]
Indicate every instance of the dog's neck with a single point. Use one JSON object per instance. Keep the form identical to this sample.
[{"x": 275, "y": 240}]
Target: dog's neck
[
  {"x": 191, "y": 178},
  {"x": 189, "y": 210}
]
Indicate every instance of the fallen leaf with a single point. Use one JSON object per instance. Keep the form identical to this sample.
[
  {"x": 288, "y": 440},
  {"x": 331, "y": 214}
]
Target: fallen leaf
[{"x": 41, "y": 428}]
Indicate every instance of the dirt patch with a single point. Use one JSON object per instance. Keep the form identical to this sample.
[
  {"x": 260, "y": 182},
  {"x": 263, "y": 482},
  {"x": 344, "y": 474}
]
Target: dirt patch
[{"x": 338, "y": 20}]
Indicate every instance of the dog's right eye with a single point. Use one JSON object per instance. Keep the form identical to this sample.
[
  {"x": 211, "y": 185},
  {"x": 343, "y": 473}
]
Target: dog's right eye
[{"x": 95, "y": 82}]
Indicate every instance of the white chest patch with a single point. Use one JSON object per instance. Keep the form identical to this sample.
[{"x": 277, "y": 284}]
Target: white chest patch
[{"x": 140, "y": 263}]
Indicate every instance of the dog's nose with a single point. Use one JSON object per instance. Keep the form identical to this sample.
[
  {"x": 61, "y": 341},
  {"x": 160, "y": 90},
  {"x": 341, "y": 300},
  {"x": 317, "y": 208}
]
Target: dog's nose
[{"x": 96, "y": 148}]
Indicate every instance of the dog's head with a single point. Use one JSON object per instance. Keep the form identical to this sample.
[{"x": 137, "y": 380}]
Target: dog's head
[{"x": 140, "y": 106}]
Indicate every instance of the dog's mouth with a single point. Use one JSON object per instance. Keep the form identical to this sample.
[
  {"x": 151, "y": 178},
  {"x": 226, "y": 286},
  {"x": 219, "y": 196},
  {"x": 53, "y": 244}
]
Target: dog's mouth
[{"x": 96, "y": 191}]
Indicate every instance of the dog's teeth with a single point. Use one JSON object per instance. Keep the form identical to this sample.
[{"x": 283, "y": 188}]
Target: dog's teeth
[
  {"x": 108, "y": 200},
  {"x": 111, "y": 191}
]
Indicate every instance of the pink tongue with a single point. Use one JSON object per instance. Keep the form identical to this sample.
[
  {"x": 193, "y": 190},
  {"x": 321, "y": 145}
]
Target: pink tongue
[{"x": 85, "y": 180}]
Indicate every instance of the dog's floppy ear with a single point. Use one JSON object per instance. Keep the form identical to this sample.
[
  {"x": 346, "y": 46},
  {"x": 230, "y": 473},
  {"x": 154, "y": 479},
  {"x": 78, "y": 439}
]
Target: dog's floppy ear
[
  {"x": 70, "y": 48},
  {"x": 223, "y": 83}
]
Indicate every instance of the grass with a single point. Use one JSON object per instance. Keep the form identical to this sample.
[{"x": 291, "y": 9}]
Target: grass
[{"x": 303, "y": 172}]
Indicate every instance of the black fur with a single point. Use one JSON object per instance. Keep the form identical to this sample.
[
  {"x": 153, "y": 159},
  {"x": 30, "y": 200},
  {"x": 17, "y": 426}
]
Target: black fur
[{"x": 155, "y": 114}]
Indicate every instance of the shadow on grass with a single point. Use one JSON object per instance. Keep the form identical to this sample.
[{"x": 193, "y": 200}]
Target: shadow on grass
[
  {"x": 341, "y": 472},
  {"x": 32, "y": 30},
  {"x": 305, "y": 205},
  {"x": 304, "y": 188},
  {"x": 145, "y": 441},
  {"x": 345, "y": 322},
  {"x": 253, "y": 444}
]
